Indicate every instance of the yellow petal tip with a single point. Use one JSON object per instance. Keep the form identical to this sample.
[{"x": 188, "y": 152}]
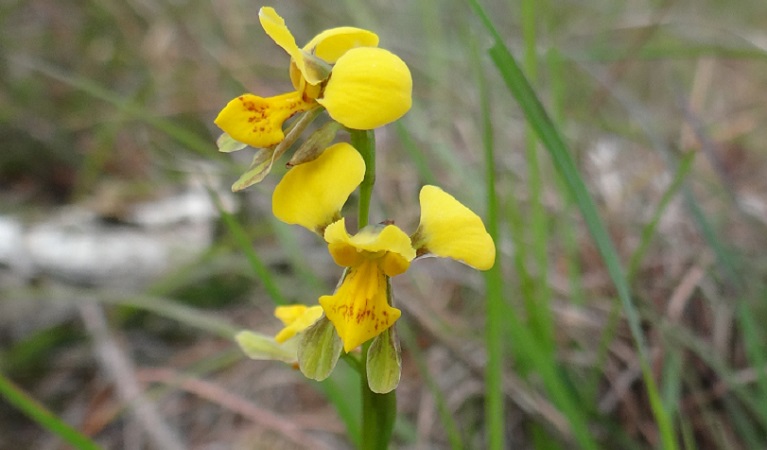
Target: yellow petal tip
[{"x": 451, "y": 230}]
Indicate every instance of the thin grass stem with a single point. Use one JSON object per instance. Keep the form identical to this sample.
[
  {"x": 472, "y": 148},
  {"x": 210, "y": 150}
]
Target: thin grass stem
[{"x": 46, "y": 419}]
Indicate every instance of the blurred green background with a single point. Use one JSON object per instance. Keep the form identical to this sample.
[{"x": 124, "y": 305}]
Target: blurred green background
[{"x": 107, "y": 107}]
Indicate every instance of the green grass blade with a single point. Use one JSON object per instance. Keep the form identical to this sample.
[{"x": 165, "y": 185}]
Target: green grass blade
[
  {"x": 243, "y": 242},
  {"x": 416, "y": 154},
  {"x": 529, "y": 348},
  {"x": 35, "y": 411},
  {"x": 170, "y": 309},
  {"x": 566, "y": 228},
  {"x": 347, "y": 402},
  {"x": 451, "y": 427},
  {"x": 186, "y": 138},
  {"x": 671, "y": 387},
  {"x": 649, "y": 230},
  {"x": 494, "y": 406},
  {"x": 538, "y": 226},
  {"x": 552, "y": 140},
  {"x": 754, "y": 346},
  {"x": 725, "y": 259}
]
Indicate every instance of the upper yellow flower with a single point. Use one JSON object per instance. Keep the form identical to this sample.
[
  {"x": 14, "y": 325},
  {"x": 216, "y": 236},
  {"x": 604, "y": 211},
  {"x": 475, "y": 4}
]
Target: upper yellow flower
[{"x": 361, "y": 86}]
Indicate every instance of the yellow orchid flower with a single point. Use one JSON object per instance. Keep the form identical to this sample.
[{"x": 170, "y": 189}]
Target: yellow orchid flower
[
  {"x": 283, "y": 346},
  {"x": 296, "y": 319},
  {"x": 361, "y": 308},
  {"x": 341, "y": 69}
]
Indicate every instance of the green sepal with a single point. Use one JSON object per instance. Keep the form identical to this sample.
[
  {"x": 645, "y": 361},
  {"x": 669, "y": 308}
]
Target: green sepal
[
  {"x": 264, "y": 158},
  {"x": 315, "y": 144},
  {"x": 384, "y": 363},
  {"x": 319, "y": 349},
  {"x": 316, "y": 70},
  {"x": 262, "y": 347},
  {"x": 262, "y": 164},
  {"x": 227, "y": 144}
]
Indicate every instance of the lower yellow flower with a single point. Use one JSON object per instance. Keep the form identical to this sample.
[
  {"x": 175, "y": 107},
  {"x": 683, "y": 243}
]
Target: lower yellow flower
[
  {"x": 296, "y": 318},
  {"x": 282, "y": 347},
  {"x": 360, "y": 309}
]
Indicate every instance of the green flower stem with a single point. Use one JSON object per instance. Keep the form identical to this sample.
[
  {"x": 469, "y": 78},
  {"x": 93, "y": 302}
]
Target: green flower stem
[
  {"x": 365, "y": 143},
  {"x": 378, "y": 410}
]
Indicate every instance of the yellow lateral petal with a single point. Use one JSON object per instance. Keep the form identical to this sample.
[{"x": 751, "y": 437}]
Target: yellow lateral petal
[
  {"x": 296, "y": 318},
  {"x": 257, "y": 121},
  {"x": 359, "y": 309},
  {"x": 368, "y": 88},
  {"x": 333, "y": 43},
  {"x": 275, "y": 27},
  {"x": 451, "y": 230},
  {"x": 312, "y": 194}
]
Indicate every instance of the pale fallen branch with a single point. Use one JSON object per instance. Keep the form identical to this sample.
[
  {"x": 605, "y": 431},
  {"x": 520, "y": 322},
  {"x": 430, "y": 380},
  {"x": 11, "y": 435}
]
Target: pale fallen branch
[
  {"x": 220, "y": 396},
  {"x": 120, "y": 369}
]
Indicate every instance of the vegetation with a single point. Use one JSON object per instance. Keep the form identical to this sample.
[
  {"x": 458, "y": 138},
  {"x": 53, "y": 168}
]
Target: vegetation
[{"x": 612, "y": 148}]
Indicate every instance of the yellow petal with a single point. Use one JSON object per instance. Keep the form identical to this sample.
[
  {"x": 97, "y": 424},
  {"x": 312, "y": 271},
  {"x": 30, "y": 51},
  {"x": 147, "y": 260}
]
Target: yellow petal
[
  {"x": 394, "y": 264},
  {"x": 359, "y": 309},
  {"x": 368, "y": 88},
  {"x": 312, "y": 194},
  {"x": 339, "y": 245},
  {"x": 289, "y": 313},
  {"x": 451, "y": 230},
  {"x": 296, "y": 318},
  {"x": 308, "y": 91},
  {"x": 344, "y": 254},
  {"x": 297, "y": 78},
  {"x": 336, "y": 233},
  {"x": 257, "y": 121},
  {"x": 389, "y": 242},
  {"x": 333, "y": 43},
  {"x": 391, "y": 238},
  {"x": 275, "y": 27}
]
